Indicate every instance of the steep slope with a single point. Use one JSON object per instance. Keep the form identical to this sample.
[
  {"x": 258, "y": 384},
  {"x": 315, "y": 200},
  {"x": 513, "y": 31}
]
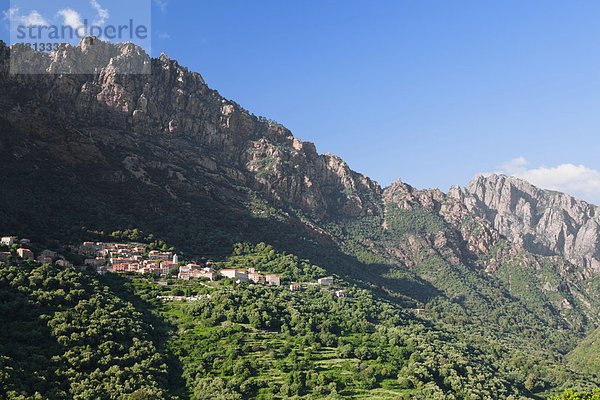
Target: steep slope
[
  {"x": 64, "y": 335},
  {"x": 162, "y": 151},
  {"x": 542, "y": 221},
  {"x": 586, "y": 356},
  {"x": 175, "y": 108},
  {"x": 461, "y": 254},
  {"x": 475, "y": 241}
]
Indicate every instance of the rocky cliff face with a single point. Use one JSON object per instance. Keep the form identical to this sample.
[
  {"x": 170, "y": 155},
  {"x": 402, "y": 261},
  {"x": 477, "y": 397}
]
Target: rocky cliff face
[
  {"x": 542, "y": 221},
  {"x": 190, "y": 131},
  {"x": 470, "y": 236}
]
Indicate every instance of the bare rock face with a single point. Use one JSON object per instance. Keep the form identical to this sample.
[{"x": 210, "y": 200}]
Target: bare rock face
[
  {"x": 542, "y": 221},
  {"x": 89, "y": 57},
  {"x": 174, "y": 109},
  {"x": 471, "y": 233},
  {"x": 323, "y": 184}
]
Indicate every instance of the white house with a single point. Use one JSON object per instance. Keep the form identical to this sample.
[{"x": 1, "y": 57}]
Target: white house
[
  {"x": 8, "y": 240},
  {"x": 202, "y": 273},
  {"x": 256, "y": 277},
  {"x": 238, "y": 275},
  {"x": 208, "y": 273},
  {"x": 326, "y": 281},
  {"x": 273, "y": 280}
]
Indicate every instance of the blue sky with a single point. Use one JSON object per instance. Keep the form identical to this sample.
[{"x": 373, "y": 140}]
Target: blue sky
[{"x": 433, "y": 92}]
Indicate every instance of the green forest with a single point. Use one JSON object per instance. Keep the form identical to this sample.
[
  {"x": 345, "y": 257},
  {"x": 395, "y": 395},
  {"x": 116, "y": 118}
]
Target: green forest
[{"x": 71, "y": 334}]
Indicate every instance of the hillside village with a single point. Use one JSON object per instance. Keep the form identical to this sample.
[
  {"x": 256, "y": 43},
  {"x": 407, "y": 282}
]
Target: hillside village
[{"x": 122, "y": 258}]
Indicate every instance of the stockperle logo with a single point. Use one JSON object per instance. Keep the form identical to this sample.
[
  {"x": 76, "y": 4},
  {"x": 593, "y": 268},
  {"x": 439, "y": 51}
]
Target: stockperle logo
[{"x": 71, "y": 36}]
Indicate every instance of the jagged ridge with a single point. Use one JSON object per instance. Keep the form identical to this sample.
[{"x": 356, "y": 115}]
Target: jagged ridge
[
  {"x": 174, "y": 104},
  {"x": 542, "y": 221}
]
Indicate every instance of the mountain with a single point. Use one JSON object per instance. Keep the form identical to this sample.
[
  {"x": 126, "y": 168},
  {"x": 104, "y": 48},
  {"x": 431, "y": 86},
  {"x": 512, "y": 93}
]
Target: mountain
[
  {"x": 542, "y": 221},
  {"x": 165, "y": 136},
  {"x": 93, "y": 156}
]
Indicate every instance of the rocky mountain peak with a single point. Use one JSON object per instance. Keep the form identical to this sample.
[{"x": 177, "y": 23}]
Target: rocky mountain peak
[
  {"x": 542, "y": 221},
  {"x": 90, "y": 56},
  {"x": 174, "y": 108}
]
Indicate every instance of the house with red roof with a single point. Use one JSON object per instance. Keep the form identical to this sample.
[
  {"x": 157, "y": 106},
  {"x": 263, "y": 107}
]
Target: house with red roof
[{"x": 25, "y": 254}]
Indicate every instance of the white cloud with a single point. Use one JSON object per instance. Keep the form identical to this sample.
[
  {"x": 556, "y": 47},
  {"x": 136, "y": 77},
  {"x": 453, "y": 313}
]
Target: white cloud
[
  {"x": 73, "y": 19},
  {"x": 102, "y": 13},
  {"x": 512, "y": 166},
  {"x": 32, "y": 19},
  {"x": 576, "y": 180},
  {"x": 162, "y": 4},
  {"x": 164, "y": 36},
  {"x": 35, "y": 18},
  {"x": 10, "y": 13}
]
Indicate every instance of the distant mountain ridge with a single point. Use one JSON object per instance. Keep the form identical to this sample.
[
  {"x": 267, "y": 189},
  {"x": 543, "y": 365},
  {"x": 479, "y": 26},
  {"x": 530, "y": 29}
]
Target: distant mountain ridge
[{"x": 542, "y": 221}]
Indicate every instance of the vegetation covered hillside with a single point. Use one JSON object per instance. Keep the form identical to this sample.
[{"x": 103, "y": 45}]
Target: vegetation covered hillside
[
  {"x": 586, "y": 356},
  {"x": 528, "y": 306},
  {"x": 64, "y": 335},
  {"x": 110, "y": 337},
  {"x": 272, "y": 343}
]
